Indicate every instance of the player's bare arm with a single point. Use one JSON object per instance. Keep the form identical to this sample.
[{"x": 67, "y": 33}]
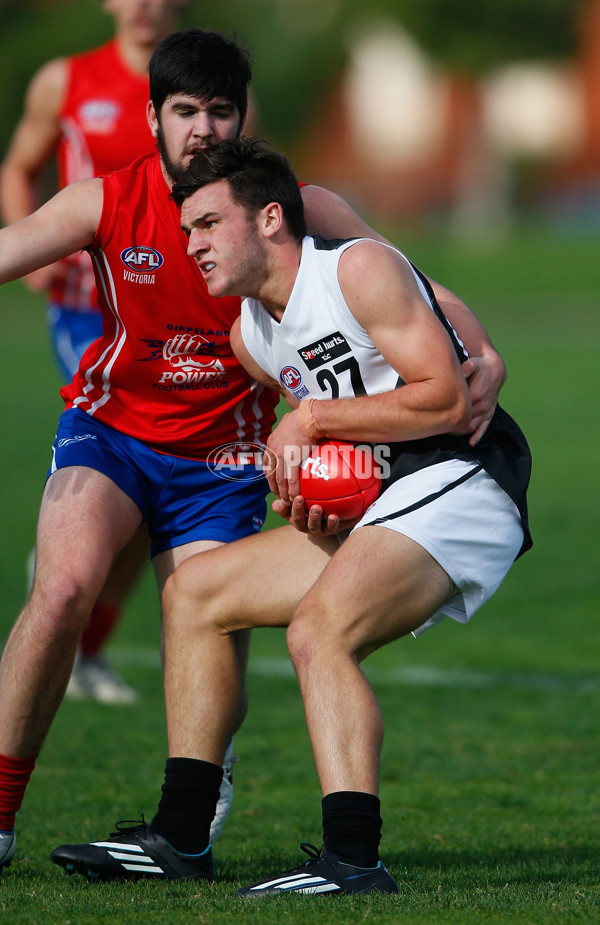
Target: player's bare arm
[
  {"x": 485, "y": 369},
  {"x": 62, "y": 226},
  {"x": 248, "y": 362},
  {"x": 288, "y": 503},
  {"x": 276, "y": 476},
  {"x": 408, "y": 335},
  {"x": 33, "y": 143},
  {"x": 329, "y": 215}
]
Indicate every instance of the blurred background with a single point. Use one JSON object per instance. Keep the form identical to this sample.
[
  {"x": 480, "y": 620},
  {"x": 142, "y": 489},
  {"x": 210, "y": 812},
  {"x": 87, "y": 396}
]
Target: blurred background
[{"x": 418, "y": 110}]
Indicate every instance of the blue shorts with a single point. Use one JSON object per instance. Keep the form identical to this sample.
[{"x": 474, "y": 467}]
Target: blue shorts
[
  {"x": 71, "y": 333},
  {"x": 182, "y": 500}
]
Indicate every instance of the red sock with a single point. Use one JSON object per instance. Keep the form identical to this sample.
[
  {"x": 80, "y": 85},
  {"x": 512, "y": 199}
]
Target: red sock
[
  {"x": 99, "y": 626},
  {"x": 14, "y": 777}
]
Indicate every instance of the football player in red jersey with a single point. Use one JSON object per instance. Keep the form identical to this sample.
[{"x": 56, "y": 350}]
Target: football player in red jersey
[{"x": 90, "y": 111}]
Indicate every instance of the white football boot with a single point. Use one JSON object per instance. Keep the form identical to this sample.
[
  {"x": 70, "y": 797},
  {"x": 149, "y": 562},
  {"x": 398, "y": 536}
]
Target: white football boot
[
  {"x": 225, "y": 796},
  {"x": 8, "y": 843},
  {"x": 93, "y": 678}
]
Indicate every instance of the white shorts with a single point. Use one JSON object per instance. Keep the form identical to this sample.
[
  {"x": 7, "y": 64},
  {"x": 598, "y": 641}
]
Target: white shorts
[{"x": 472, "y": 529}]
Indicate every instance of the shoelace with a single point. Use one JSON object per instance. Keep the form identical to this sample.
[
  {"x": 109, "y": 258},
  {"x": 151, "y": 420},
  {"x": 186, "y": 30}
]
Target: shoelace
[
  {"x": 128, "y": 827},
  {"x": 312, "y": 851}
]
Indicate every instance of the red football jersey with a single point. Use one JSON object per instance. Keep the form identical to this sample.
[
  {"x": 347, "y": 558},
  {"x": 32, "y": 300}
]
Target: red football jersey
[
  {"x": 103, "y": 127},
  {"x": 163, "y": 371}
]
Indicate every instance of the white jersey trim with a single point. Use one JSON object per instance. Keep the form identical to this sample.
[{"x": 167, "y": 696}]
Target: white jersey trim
[{"x": 107, "y": 282}]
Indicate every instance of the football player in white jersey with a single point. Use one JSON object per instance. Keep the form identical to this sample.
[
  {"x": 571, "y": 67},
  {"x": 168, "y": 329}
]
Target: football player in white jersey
[{"x": 423, "y": 551}]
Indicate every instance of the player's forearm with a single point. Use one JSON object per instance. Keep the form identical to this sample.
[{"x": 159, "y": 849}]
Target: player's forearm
[
  {"x": 468, "y": 327},
  {"x": 476, "y": 340},
  {"x": 417, "y": 410},
  {"x": 17, "y": 198},
  {"x": 17, "y": 256}
]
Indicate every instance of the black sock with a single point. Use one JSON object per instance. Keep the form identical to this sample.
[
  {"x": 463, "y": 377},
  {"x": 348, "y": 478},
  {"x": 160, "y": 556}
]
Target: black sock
[
  {"x": 352, "y": 827},
  {"x": 187, "y": 806}
]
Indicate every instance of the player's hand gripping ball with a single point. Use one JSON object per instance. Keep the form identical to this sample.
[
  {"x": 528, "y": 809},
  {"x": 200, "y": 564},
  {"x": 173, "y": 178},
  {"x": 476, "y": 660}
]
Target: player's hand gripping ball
[{"x": 342, "y": 478}]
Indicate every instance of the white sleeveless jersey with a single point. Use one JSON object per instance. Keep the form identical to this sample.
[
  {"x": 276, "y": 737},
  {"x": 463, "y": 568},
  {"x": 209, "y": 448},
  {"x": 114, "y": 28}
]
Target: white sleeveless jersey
[{"x": 319, "y": 349}]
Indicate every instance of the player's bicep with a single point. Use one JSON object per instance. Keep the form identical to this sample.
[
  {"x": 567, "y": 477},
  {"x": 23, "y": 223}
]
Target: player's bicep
[
  {"x": 330, "y": 216},
  {"x": 383, "y": 295},
  {"x": 421, "y": 351}
]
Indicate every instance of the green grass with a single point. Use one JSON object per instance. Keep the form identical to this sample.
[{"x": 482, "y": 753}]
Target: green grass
[{"x": 489, "y": 774}]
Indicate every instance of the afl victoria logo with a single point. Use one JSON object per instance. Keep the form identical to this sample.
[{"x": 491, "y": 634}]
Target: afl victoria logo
[
  {"x": 142, "y": 259},
  {"x": 290, "y": 377}
]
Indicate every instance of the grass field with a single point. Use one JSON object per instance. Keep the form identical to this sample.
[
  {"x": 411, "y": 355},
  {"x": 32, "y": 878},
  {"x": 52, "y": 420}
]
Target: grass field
[{"x": 490, "y": 766}]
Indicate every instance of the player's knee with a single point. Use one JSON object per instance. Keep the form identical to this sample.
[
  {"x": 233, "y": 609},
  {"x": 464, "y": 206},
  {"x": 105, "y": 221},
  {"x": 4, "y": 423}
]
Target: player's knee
[
  {"x": 179, "y": 592},
  {"x": 308, "y": 633},
  {"x": 191, "y": 590},
  {"x": 61, "y": 603},
  {"x": 299, "y": 644},
  {"x": 321, "y": 630}
]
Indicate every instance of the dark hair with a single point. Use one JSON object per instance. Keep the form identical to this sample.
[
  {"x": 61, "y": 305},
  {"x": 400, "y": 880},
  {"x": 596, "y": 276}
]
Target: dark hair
[
  {"x": 256, "y": 174},
  {"x": 200, "y": 64}
]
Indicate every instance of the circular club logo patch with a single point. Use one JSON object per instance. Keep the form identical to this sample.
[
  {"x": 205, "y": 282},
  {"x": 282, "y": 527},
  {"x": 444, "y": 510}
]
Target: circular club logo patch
[
  {"x": 290, "y": 377},
  {"x": 142, "y": 259}
]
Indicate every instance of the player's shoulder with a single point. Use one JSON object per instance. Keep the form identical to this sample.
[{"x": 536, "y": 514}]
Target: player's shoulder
[
  {"x": 49, "y": 83},
  {"x": 87, "y": 193},
  {"x": 362, "y": 255},
  {"x": 367, "y": 270},
  {"x": 353, "y": 256}
]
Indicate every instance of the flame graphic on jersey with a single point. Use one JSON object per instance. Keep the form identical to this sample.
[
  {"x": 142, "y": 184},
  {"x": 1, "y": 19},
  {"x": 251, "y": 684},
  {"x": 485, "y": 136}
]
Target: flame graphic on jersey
[
  {"x": 184, "y": 350},
  {"x": 191, "y": 358}
]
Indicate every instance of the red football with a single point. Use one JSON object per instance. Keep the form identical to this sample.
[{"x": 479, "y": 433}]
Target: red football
[{"x": 342, "y": 478}]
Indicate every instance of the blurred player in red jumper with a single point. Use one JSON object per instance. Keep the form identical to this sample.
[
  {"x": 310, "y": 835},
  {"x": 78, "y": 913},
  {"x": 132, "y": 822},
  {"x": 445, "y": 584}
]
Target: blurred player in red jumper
[{"x": 90, "y": 111}]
